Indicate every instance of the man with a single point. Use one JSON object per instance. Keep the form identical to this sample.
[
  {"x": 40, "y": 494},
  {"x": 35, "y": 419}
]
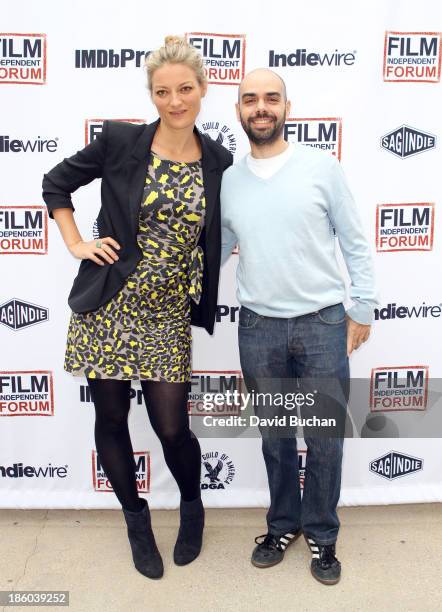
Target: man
[{"x": 283, "y": 205}]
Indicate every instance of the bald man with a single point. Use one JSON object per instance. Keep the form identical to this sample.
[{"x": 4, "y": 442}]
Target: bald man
[{"x": 284, "y": 205}]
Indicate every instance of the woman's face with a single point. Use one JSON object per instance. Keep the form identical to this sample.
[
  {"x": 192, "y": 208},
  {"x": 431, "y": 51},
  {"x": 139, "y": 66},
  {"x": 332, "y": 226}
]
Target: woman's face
[{"x": 177, "y": 95}]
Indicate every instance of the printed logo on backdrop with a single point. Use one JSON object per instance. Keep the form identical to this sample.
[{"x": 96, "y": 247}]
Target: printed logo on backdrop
[
  {"x": 218, "y": 470},
  {"x": 142, "y": 471},
  {"x": 406, "y": 141},
  {"x": 94, "y": 127},
  {"x": 321, "y": 133},
  {"x": 109, "y": 58},
  {"x": 300, "y": 58},
  {"x": 224, "y": 56},
  {"x": 302, "y": 457},
  {"x": 17, "y": 314},
  {"x": 393, "y": 311},
  {"x": 86, "y": 398},
  {"x": 404, "y": 227},
  {"x": 214, "y": 381},
  {"x": 220, "y": 133},
  {"x": 23, "y": 59},
  {"x": 394, "y": 465},
  {"x": 27, "y": 393},
  {"x": 399, "y": 388},
  {"x": 412, "y": 57},
  {"x": 23, "y": 230},
  {"x": 226, "y": 313},
  {"x": 20, "y": 470},
  {"x": 32, "y": 145}
]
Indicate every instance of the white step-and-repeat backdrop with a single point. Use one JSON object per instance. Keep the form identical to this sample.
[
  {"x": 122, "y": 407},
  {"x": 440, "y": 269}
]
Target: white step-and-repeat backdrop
[{"x": 364, "y": 80}]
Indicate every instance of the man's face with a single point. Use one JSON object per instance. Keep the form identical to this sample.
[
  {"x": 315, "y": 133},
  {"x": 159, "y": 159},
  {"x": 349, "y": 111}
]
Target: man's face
[{"x": 262, "y": 107}]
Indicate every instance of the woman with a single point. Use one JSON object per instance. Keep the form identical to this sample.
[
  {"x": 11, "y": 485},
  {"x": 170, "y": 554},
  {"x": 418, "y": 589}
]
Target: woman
[{"x": 153, "y": 271}]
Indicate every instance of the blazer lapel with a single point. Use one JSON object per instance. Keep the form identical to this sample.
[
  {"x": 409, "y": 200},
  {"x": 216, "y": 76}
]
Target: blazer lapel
[
  {"x": 137, "y": 170},
  {"x": 211, "y": 173}
]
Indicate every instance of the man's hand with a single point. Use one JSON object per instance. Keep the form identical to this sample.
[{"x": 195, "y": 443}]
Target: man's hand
[{"x": 356, "y": 335}]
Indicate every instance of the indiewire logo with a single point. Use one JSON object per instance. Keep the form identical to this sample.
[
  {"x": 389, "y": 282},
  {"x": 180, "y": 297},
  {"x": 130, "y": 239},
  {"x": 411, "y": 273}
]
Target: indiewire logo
[
  {"x": 19, "y": 470},
  {"x": 38, "y": 145},
  {"x": 302, "y": 57},
  {"x": 392, "y": 311}
]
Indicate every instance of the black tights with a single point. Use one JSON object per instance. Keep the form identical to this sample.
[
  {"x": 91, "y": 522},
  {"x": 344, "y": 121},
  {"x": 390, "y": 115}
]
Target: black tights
[{"x": 167, "y": 409}]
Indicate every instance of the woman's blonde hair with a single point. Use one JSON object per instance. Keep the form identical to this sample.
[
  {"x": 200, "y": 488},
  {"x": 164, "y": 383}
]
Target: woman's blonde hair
[{"x": 176, "y": 50}]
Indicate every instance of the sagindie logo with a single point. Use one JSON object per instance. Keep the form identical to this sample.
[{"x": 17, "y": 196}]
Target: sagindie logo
[
  {"x": 23, "y": 230},
  {"x": 19, "y": 470},
  {"x": 321, "y": 133},
  {"x": 94, "y": 127},
  {"x": 412, "y": 57},
  {"x": 142, "y": 472},
  {"x": 17, "y": 314},
  {"x": 218, "y": 470},
  {"x": 399, "y": 388},
  {"x": 404, "y": 227},
  {"x": 220, "y": 133},
  {"x": 393, "y": 465},
  {"x": 27, "y": 393},
  {"x": 109, "y": 58},
  {"x": 406, "y": 141},
  {"x": 214, "y": 382},
  {"x": 393, "y": 311},
  {"x": 23, "y": 59},
  {"x": 224, "y": 56}
]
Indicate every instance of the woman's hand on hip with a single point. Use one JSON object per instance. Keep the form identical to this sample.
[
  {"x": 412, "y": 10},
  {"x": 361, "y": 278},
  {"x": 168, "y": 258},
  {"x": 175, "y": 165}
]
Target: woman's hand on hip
[{"x": 99, "y": 251}]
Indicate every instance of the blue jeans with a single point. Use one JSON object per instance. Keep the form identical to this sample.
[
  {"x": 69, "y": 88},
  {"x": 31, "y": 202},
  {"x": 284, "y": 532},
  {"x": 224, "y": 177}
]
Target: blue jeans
[{"x": 306, "y": 347}]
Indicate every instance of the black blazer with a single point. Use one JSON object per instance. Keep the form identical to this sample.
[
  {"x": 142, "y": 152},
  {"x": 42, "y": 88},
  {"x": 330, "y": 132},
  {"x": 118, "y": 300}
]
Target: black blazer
[{"x": 119, "y": 156}]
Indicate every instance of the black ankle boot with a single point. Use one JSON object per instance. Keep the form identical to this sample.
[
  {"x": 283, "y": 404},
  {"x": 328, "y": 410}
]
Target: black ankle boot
[
  {"x": 190, "y": 534},
  {"x": 146, "y": 556}
]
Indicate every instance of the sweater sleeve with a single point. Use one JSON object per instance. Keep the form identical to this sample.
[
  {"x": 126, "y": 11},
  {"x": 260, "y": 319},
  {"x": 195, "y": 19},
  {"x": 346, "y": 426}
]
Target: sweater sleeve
[
  {"x": 73, "y": 172},
  {"x": 346, "y": 220}
]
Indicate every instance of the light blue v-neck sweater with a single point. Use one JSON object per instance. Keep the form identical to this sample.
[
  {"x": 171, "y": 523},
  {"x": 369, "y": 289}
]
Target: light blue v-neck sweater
[{"x": 286, "y": 228}]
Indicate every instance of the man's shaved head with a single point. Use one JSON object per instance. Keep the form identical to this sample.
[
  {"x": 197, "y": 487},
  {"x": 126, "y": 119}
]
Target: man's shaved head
[
  {"x": 262, "y": 106},
  {"x": 259, "y": 75}
]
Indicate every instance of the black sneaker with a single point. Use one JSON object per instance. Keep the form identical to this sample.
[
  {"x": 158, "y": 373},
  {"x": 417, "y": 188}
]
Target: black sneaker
[
  {"x": 271, "y": 549},
  {"x": 324, "y": 566}
]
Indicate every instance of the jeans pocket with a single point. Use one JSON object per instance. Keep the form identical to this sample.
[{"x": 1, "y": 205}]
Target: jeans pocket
[
  {"x": 248, "y": 319},
  {"x": 332, "y": 315}
]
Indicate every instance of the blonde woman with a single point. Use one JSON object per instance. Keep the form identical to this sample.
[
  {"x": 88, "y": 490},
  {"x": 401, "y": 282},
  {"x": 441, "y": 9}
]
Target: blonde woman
[{"x": 153, "y": 271}]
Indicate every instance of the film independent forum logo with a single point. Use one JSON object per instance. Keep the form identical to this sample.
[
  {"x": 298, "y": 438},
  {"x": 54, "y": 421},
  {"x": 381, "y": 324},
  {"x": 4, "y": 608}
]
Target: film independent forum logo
[
  {"x": 323, "y": 133},
  {"x": 224, "y": 56},
  {"x": 101, "y": 483},
  {"x": 23, "y": 59},
  {"x": 94, "y": 127},
  {"x": 404, "y": 227},
  {"x": 412, "y": 57}
]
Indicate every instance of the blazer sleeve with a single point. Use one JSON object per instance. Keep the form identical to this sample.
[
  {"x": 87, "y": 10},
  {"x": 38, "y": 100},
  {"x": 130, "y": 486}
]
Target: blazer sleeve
[{"x": 73, "y": 172}]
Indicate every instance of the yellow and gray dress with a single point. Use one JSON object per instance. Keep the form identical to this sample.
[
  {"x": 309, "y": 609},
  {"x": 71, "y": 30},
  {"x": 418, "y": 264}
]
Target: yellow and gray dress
[{"x": 143, "y": 332}]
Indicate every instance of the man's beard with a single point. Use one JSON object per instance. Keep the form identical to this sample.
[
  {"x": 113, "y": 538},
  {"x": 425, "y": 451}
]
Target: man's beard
[{"x": 264, "y": 137}]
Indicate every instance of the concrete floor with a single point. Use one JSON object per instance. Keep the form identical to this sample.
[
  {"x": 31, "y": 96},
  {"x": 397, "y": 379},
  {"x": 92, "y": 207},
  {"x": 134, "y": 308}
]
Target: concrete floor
[{"x": 391, "y": 558}]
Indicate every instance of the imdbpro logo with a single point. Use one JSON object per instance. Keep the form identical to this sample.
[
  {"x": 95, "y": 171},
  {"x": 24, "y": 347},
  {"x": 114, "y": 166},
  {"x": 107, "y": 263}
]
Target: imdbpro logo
[
  {"x": 412, "y": 57},
  {"x": 23, "y": 59}
]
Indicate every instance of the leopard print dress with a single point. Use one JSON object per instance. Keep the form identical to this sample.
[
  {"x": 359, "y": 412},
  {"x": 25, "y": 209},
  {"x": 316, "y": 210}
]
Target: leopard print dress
[{"x": 143, "y": 332}]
